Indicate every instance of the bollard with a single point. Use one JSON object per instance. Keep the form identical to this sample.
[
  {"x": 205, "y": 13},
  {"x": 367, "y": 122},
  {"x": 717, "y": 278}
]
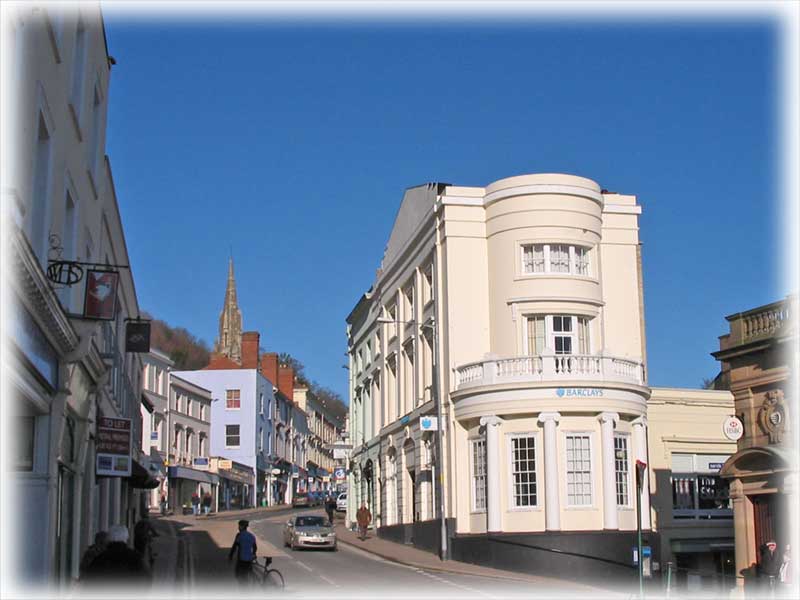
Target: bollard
[{"x": 669, "y": 578}]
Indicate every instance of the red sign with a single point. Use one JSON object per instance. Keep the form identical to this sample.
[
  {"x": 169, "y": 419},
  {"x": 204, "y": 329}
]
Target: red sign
[{"x": 101, "y": 295}]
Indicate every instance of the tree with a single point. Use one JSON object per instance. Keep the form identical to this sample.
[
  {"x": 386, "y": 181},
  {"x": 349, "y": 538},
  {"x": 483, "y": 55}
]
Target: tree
[{"x": 184, "y": 349}]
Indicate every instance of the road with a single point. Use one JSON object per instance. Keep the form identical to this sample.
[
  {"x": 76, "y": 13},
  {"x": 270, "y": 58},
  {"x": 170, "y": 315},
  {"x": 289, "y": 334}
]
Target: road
[{"x": 348, "y": 572}]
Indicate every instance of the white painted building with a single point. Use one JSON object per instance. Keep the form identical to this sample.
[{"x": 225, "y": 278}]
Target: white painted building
[
  {"x": 62, "y": 372},
  {"x": 240, "y": 424}
]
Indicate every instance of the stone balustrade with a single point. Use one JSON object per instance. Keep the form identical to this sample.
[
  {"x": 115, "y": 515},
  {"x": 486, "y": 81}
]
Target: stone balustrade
[{"x": 566, "y": 367}]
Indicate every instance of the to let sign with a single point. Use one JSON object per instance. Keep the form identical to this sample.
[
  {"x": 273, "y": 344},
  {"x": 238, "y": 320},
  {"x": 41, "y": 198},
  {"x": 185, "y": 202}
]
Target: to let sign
[{"x": 113, "y": 447}]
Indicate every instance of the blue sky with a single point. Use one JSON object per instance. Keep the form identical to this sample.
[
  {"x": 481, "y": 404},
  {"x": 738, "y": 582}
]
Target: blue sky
[{"x": 293, "y": 142}]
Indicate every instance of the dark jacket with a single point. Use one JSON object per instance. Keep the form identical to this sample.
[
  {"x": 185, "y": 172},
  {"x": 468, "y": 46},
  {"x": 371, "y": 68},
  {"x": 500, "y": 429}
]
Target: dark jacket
[{"x": 117, "y": 564}]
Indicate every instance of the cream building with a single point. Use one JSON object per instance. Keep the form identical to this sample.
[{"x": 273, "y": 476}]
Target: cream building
[
  {"x": 533, "y": 287},
  {"x": 61, "y": 372},
  {"x": 692, "y": 507}
]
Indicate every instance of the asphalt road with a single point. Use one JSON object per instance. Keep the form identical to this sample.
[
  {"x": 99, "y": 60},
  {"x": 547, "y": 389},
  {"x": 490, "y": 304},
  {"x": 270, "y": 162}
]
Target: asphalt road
[{"x": 322, "y": 574}]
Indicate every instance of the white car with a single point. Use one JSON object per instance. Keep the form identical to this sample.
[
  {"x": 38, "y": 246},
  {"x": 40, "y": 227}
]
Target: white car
[
  {"x": 309, "y": 531},
  {"x": 341, "y": 502}
]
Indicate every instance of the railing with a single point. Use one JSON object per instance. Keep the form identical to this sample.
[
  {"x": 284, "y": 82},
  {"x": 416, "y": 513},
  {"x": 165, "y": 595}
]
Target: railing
[
  {"x": 549, "y": 368},
  {"x": 765, "y": 323}
]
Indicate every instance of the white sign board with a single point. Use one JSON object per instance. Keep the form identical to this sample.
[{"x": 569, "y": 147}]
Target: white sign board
[
  {"x": 225, "y": 464},
  {"x": 339, "y": 454},
  {"x": 428, "y": 423},
  {"x": 732, "y": 428},
  {"x": 113, "y": 447}
]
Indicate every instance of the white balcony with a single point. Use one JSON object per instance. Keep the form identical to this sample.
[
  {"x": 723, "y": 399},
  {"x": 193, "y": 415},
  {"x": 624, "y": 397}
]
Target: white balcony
[{"x": 597, "y": 369}]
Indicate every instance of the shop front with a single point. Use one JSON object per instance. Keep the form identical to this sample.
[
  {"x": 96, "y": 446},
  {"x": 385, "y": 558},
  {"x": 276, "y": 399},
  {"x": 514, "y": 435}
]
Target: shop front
[
  {"x": 281, "y": 474},
  {"x": 185, "y": 482},
  {"x": 236, "y": 484}
]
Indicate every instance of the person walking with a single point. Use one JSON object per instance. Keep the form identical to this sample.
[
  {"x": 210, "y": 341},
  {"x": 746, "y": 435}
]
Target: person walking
[
  {"x": 195, "y": 504},
  {"x": 118, "y": 563},
  {"x": 207, "y": 503},
  {"x": 769, "y": 567},
  {"x": 245, "y": 548},
  {"x": 163, "y": 504},
  {"x": 363, "y": 518},
  {"x": 784, "y": 573},
  {"x": 330, "y": 507},
  {"x": 93, "y": 551}
]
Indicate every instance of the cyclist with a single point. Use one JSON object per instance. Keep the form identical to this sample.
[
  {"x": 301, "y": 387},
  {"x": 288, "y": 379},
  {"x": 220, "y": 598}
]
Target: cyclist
[{"x": 244, "y": 545}]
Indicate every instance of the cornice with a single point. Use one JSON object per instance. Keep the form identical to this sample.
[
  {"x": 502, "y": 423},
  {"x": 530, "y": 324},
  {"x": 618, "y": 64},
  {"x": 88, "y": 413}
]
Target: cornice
[{"x": 30, "y": 282}]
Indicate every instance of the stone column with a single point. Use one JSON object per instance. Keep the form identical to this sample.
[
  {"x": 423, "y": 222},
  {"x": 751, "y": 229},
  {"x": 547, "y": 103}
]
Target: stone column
[
  {"x": 739, "y": 531},
  {"x": 551, "y": 493},
  {"x": 640, "y": 453},
  {"x": 493, "y": 515},
  {"x": 608, "y": 421}
]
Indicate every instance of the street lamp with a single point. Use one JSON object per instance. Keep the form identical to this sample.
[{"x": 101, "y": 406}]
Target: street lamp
[{"x": 431, "y": 324}]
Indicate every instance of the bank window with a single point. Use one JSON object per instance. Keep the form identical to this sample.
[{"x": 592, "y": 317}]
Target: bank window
[
  {"x": 579, "y": 470},
  {"x": 698, "y": 491},
  {"x": 555, "y": 258},
  {"x": 478, "y": 475},
  {"x": 561, "y": 334},
  {"x": 231, "y": 436},
  {"x": 523, "y": 471},
  {"x": 232, "y": 400},
  {"x": 621, "y": 470}
]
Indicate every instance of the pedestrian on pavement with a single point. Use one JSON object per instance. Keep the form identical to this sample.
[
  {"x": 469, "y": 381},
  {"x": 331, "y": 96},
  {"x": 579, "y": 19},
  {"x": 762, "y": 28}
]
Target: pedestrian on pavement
[
  {"x": 330, "y": 506},
  {"x": 118, "y": 563},
  {"x": 207, "y": 503},
  {"x": 143, "y": 535},
  {"x": 244, "y": 546},
  {"x": 363, "y": 517},
  {"x": 195, "y": 504},
  {"x": 93, "y": 551},
  {"x": 769, "y": 567},
  {"x": 163, "y": 504}
]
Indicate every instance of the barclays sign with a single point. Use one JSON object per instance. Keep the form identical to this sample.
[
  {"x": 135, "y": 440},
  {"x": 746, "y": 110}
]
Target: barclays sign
[{"x": 579, "y": 392}]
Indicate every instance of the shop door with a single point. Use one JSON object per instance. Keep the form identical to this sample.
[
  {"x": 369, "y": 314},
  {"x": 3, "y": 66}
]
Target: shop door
[{"x": 764, "y": 509}]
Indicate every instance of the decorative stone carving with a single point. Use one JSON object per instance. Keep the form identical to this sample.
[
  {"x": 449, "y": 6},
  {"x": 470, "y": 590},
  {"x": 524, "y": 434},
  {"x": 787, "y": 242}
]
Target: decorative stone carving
[{"x": 772, "y": 416}]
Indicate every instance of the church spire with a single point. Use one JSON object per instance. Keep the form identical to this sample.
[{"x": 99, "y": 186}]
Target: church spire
[{"x": 229, "y": 342}]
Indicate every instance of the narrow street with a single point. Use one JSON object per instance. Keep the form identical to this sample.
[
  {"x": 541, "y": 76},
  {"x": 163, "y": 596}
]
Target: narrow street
[{"x": 202, "y": 567}]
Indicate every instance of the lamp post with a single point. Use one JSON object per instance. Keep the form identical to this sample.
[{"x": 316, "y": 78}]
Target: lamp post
[
  {"x": 640, "y": 470},
  {"x": 439, "y": 483}
]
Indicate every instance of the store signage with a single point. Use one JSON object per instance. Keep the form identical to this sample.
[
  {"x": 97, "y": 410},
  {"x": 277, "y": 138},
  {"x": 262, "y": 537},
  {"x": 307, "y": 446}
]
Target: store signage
[
  {"x": 579, "y": 392},
  {"x": 339, "y": 473},
  {"x": 200, "y": 463},
  {"x": 339, "y": 454},
  {"x": 101, "y": 295},
  {"x": 714, "y": 466},
  {"x": 276, "y": 471},
  {"x": 428, "y": 423},
  {"x": 113, "y": 447},
  {"x": 137, "y": 336},
  {"x": 732, "y": 428},
  {"x": 405, "y": 420},
  {"x": 225, "y": 464}
]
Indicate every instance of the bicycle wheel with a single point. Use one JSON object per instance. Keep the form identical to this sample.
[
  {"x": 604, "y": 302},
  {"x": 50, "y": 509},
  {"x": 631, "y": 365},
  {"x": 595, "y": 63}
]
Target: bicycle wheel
[{"x": 273, "y": 578}]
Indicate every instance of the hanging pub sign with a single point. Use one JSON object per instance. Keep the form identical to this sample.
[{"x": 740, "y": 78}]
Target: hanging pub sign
[
  {"x": 137, "y": 336},
  {"x": 113, "y": 447},
  {"x": 101, "y": 295}
]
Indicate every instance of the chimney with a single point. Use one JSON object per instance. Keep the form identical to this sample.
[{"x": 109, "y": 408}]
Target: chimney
[
  {"x": 300, "y": 395},
  {"x": 269, "y": 367},
  {"x": 250, "y": 350},
  {"x": 286, "y": 381}
]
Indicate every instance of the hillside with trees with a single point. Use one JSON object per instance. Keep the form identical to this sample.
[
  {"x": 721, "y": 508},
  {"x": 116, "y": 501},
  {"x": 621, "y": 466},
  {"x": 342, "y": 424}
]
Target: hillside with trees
[{"x": 186, "y": 351}]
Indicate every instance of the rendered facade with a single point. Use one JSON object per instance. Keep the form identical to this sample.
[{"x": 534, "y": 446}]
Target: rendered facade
[
  {"x": 63, "y": 372},
  {"x": 533, "y": 284}
]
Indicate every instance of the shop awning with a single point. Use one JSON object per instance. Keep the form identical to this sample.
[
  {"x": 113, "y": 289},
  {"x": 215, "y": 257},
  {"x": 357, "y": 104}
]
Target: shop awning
[
  {"x": 178, "y": 472},
  {"x": 140, "y": 478}
]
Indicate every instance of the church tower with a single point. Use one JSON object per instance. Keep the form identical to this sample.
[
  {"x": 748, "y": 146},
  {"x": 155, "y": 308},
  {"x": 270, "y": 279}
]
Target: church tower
[{"x": 229, "y": 342}]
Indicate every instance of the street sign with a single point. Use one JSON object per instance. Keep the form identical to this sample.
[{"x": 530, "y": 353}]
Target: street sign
[
  {"x": 339, "y": 454},
  {"x": 428, "y": 423},
  {"x": 113, "y": 447},
  {"x": 200, "y": 463}
]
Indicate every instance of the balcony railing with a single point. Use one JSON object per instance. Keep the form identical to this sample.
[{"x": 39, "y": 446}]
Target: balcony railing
[{"x": 524, "y": 369}]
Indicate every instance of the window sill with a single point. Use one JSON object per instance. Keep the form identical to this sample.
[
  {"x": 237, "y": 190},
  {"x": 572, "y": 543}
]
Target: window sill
[
  {"x": 524, "y": 509},
  {"x": 524, "y": 276}
]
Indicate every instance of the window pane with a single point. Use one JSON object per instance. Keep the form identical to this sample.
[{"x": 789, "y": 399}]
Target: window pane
[
  {"x": 523, "y": 471},
  {"x": 579, "y": 476},
  {"x": 559, "y": 258}
]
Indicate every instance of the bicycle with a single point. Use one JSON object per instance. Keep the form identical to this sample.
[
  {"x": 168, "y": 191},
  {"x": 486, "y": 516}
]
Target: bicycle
[{"x": 262, "y": 575}]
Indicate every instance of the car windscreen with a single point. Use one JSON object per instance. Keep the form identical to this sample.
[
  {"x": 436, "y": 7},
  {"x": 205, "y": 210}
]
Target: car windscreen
[{"x": 310, "y": 522}]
